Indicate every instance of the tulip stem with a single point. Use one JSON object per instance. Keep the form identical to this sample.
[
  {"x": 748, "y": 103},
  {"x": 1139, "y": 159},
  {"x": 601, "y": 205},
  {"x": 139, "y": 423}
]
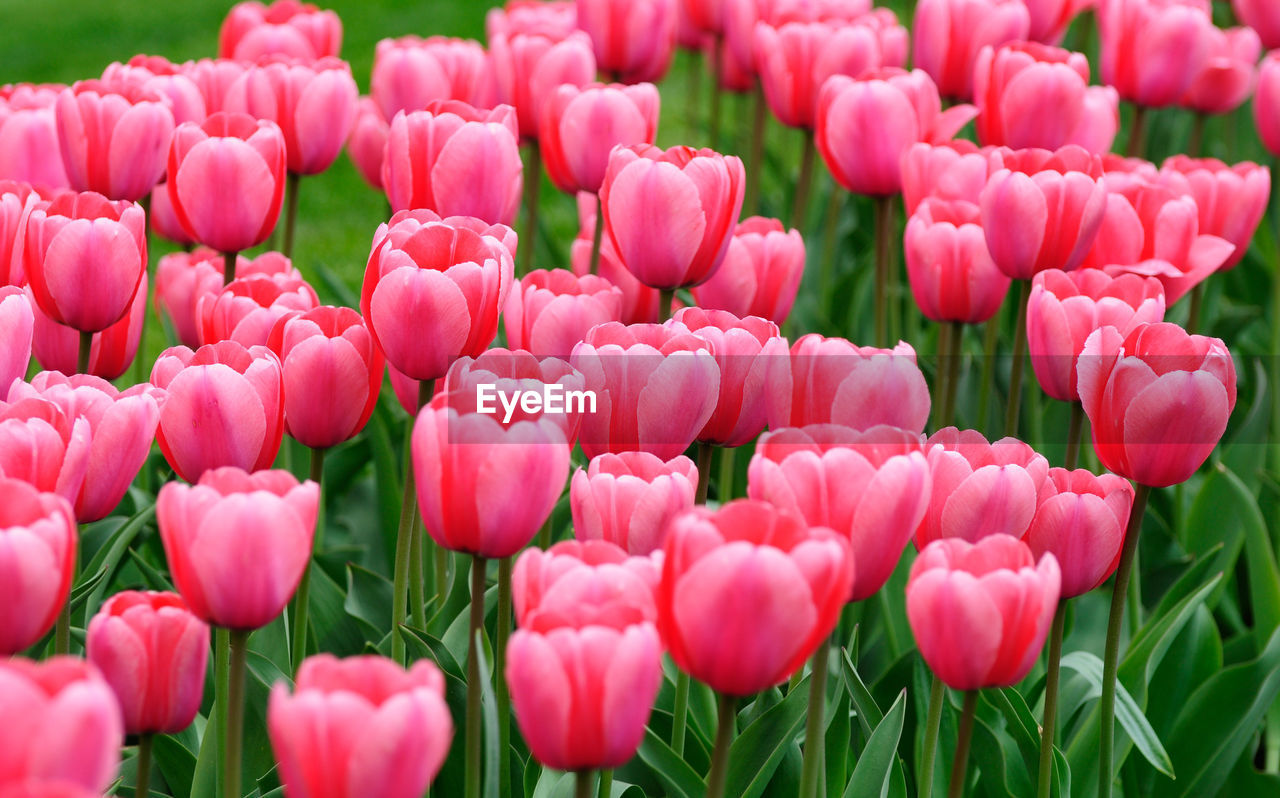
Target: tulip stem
[
  {"x": 302, "y": 599},
  {"x": 1014, "y": 405},
  {"x": 755, "y": 152},
  {"x": 1193, "y": 312},
  {"x": 960, "y": 764},
  {"x": 235, "y": 713},
  {"x": 725, "y": 721},
  {"x": 1048, "y": 729},
  {"x": 953, "y": 370},
  {"x": 937, "y": 694},
  {"x": 474, "y": 739},
  {"x": 499, "y": 671},
  {"x": 1111, "y": 657},
  {"x": 942, "y": 373},
  {"x": 1196, "y": 140},
  {"x": 1074, "y": 431},
  {"x": 705, "y": 451},
  {"x": 405, "y": 538},
  {"x": 597, "y": 236},
  {"x": 229, "y": 267},
  {"x": 606, "y": 783},
  {"x": 221, "y": 676},
  {"x": 813, "y": 732},
  {"x": 142, "y": 788},
  {"x": 62, "y": 630},
  {"x": 82, "y": 352},
  {"x": 1137, "y": 133},
  {"x": 293, "y": 182},
  {"x": 884, "y": 235},
  {"x": 680, "y": 713},
  {"x": 582, "y": 781},
  {"x": 804, "y": 184},
  {"x": 724, "y": 488},
  {"x": 717, "y": 45},
  {"x": 665, "y": 297},
  {"x": 532, "y": 182},
  {"x": 990, "y": 340},
  {"x": 831, "y": 235},
  {"x": 418, "y": 574}
]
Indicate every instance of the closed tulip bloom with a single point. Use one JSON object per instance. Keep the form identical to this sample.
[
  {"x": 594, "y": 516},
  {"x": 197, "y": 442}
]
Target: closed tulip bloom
[
  {"x": 980, "y": 612},
  {"x": 183, "y": 279},
  {"x": 761, "y": 272},
  {"x": 248, "y": 307},
  {"x": 1231, "y": 199},
  {"x": 528, "y": 66},
  {"x": 368, "y": 142},
  {"x": 1266, "y": 103},
  {"x": 153, "y": 652},
  {"x": 214, "y": 77},
  {"x": 16, "y": 202},
  {"x": 1065, "y": 307},
  {"x": 1081, "y": 521},
  {"x": 82, "y": 241},
  {"x": 952, "y": 275},
  {"x": 455, "y": 160},
  {"x": 59, "y": 722},
  {"x": 582, "y": 124},
  {"x": 113, "y": 141},
  {"x": 865, "y": 125},
  {"x": 670, "y": 214},
  {"x": 226, "y": 179},
  {"x": 157, "y": 74},
  {"x": 507, "y": 372},
  {"x": 1051, "y": 18},
  {"x": 576, "y": 583},
  {"x": 640, "y": 303},
  {"x": 164, "y": 221},
  {"x": 551, "y": 310},
  {"x": 953, "y": 170},
  {"x": 1263, "y": 17},
  {"x": 555, "y": 18},
  {"x": 980, "y": 488},
  {"x": 111, "y": 351},
  {"x": 224, "y": 407},
  {"x": 872, "y": 487},
  {"x": 462, "y": 460},
  {"x": 1227, "y": 78},
  {"x": 633, "y": 41},
  {"x": 252, "y": 30},
  {"x": 17, "y": 322},
  {"x": 630, "y": 498},
  {"x": 359, "y": 726},
  {"x": 1041, "y": 209},
  {"x": 237, "y": 543},
  {"x": 122, "y": 425},
  {"x": 1157, "y": 398},
  {"x": 949, "y": 34},
  {"x": 29, "y": 137},
  {"x": 657, "y": 386},
  {"x": 43, "y": 445},
  {"x": 410, "y": 73},
  {"x": 433, "y": 290},
  {"x": 748, "y": 592},
  {"x": 1152, "y": 50},
  {"x": 833, "y": 381},
  {"x": 38, "y": 539},
  {"x": 314, "y": 103}
]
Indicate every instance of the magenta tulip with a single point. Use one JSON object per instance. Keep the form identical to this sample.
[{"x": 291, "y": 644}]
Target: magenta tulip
[
  {"x": 761, "y": 272},
  {"x": 247, "y": 308},
  {"x": 183, "y": 279},
  {"x": 38, "y": 540},
  {"x": 1231, "y": 199},
  {"x": 1152, "y": 50},
  {"x": 113, "y": 141},
  {"x": 1051, "y": 18},
  {"x": 368, "y": 142},
  {"x": 17, "y": 323},
  {"x": 580, "y": 126},
  {"x": 1263, "y": 17},
  {"x": 159, "y": 75},
  {"x": 630, "y": 498},
  {"x": 1227, "y": 78},
  {"x": 29, "y": 137},
  {"x": 164, "y": 220},
  {"x": 951, "y": 272},
  {"x": 16, "y": 201},
  {"x": 410, "y": 73},
  {"x": 953, "y": 170},
  {"x": 504, "y": 373},
  {"x": 948, "y": 35},
  {"x": 1081, "y": 521},
  {"x": 252, "y": 30},
  {"x": 530, "y": 65},
  {"x": 43, "y": 445},
  {"x": 214, "y": 77},
  {"x": 550, "y": 311},
  {"x": 633, "y": 39},
  {"x": 578, "y": 584}
]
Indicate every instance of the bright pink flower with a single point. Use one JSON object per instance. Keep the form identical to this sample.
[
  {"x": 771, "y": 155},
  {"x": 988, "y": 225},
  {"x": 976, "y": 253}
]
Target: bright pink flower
[
  {"x": 41, "y": 788},
  {"x": 582, "y": 124},
  {"x": 360, "y": 726},
  {"x": 368, "y": 141},
  {"x": 224, "y": 407},
  {"x": 748, "y": 592},
  {"x": 633, "y": 41},
  {"x": 952, "y": 170},
  {"x": 29, "y": 137},
  {"x": 1263, "y": 17},
  {"x": 214, "y": 77},
  {"x": 761, "y": 272},
  {"x": 578, "y": 584},
  {"x": 16, "y": 202},
  {"x": 639, "y": 301},
  {"x": 528, "y": 66},
  {"x": 1227, "y": 78},
  {"x": 164, "y": 220},
  {"x": 1152, "y": 50},
  {"x": 252, "y": 30},
  {"x": 410, "y": 73},
  {"x": 113, "y": 140},
  {"x": 1081, "y": 521},
  {"x": 952, "y": 275},
  {"x": 1231, "y": 199},
  {"x": 17, "y": 323},
  {"x": 1157, "y": 398},
  {"x": 38, "y": 539},
  {"x": 184, "y": 278},
  {"x": 157, "y": 74},
  {"x": 43, "y": 445},
  {"x": 630, "y": 498},
  {"x": 980, "y": 612},
  {"x": 111, "y": 351},
  {"x": 505, "y": 372},
  {"x": 551, "y": 310},
  {"x": 1051, "y": 18},
  {"x": 248, "y": 307},
  {"x": 948, "y": 35},
  {"x": 153, "y": 652},
  {"x": 553, "y": 18},
  {"x": 1266, "y": 103}
]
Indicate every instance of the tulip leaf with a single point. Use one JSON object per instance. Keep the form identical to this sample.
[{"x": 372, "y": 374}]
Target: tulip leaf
[
  {"x": 1128, "y": 714},
  {"x": 489, "y": 713},
  {"x": 175, "y": 762},
  {"x": 873, "y": 773},
  {"x": 837, "y": 740},
  {"x": 996, "y": 755},
  {"x": 108, "y": 558},
  {"x": 669, "y": 768},
  {"x": 869, "y": 715},
  {"x": 760, "y": 747},
  {"x": 368, "y": 599},
  {"x": 1260, "y": 559}
]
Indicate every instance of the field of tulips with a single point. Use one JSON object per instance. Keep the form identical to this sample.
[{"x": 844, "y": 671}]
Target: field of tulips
[{"x": 625, "y": 398}]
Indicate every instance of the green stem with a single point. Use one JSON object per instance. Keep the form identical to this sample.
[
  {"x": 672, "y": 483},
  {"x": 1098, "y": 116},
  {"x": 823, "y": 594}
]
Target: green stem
[
  {"x": 1019, "y": 356},
  {"x": 1275, "y": 337},
  {"x": 1051, "y": 700},
  {"x": 142, "y": 788},
  {"x": 942, "y": 373},
  {"x": 1193, "y": 313},
  {"x": 724, "y": 487},
  {"x": 804, "y": 184},
  {"x": 680, "y": 713},
  {"x": 82, "y": 352},
  {"x": 293, "y": 183},
  {"x": 1137, "y": 133},
  {"x": 606, "y": 783},
  {"x": 474, "y": 740},
  {"x": 831, "y": 235},
  {"x": 404, "y": 536},
  {"x": 813, "y": 734},
  {"x": 1073, "y": 435},
  {"x": 302, "y": 600},
  {"x": 418, "y": 574},
  {"x": 532, "y": 182},
  {"x": 726, "y": 718},
  {"x": 597, "y": 236},
  {"x": 755, "y": 152},
  {"x": 229, "y": 267},
  {"x": 499, "y": 669},
  {"x": 937, "y": 694},
  {"x": 960, "y": 765},
  {"x": 239, "y": 643},
  {"x": 717, "y": 44},
  {"x": 990, "y": 340},
  {"x": 1111, "y": 658},
  {"x": 705, "y": 451},
  {"x": 665, "y": 297},
  {"x": 582, "y": 781},
  {"x": 953, "y": 370},
  {"x": 221, "y": 681},
  {"x": 884, "y": 235},
  {"x": 62, "y": 626},
  {"x": 1196, "y": 140}
]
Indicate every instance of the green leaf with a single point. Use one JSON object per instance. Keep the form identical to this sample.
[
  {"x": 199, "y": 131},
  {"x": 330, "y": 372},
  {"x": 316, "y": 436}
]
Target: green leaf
[
  {"x": 1127, "y": 712},
  {"x": 869, "y": 715},
  {"x": 175, "y": 762},
  {"x": 674, "y": 773},
  {"x": 489, "y": 712},
  {"x": 871, "y": 776},
  {"x": 755, "y": 754},
  {"x": 1260, "y": 559},
  {"x": 108, "y": 558},
  {"x": 368, "y": 599},
  {"x": 1152, "y": 642}
]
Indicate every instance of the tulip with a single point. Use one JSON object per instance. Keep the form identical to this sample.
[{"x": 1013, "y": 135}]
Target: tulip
[
  {"x": 252, "y": 30},
  {"x": 16, "y": 201},
  {"x": 1152, "y": 50},
  {"x": 556, "y": 18},
  {"x": 1262, "y": 17},
  {"x": 1051, "y": 18},
  {"x": 640, "y": 303},
  {"x": 38, "y": 539},
  {"x": 43, "y": 445},
  {"x": 670, "y": 214},
  {"x": 579, "y": 584},
  {"x": 761, "y": 272},
  {"x": 410, "y": 73},
  {"x": 214, "y": 78},
  {"x": 505, "y": 372},
  {"x": 59, "y": 722},
  {"x": 113, "y": 142},
  {"x": 17, "y": 322},
  {"x": 551, "y": 310},
  {"x": 164, "y": 220},
  {"x": 1081, "y": 521},
  {"x": 657, "y": 386},
  {"x": 949, "y": 34},
  {"x": 1266, "y": 103},
  {"x": 248, "y": 307},
  {"x": 224, "y": 407},
  {"x": 359, "y": 726},
  {"x": 1226, "y": 80},
  {"x": 226, "y": 179},
  {"x": 46, "y": 789},
  {"x": 368, "y": 141},
  {"x": 953, "y": 170},
  {"x": 1231, "y": 199},
  {"x": 633, "y": 41},
  {"x": 980, "y": 612},
  {"x": 456, "y": 160},
  {"x": 183, "y": 279},
  {"x": 529, "y": 66},
  {"x": 432, "y": 291},
  {"x": 952, "y": 275},
  {"x": 159, "y": 75},
  {"x": 582, "y": 124},
  {"x": 630, "y": 498},
  {"x": 29, "y": 137},
  {"x": 153, "y": 652},
  {"x": 79, "y": 241}
]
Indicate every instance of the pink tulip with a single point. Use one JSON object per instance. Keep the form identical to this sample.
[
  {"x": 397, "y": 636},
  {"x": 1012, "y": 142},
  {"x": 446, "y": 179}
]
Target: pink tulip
[
  {"x": 953, "y": 170},
  {"x": 226, "y": 180},
  {"x": 1266, "y": 103},
  {"x": 578, "y": 584},
  {"x": 237, "y": 543},
  {"x": 633, "y": 40},
  {"x": 1227, "y": 78},
  {"x": 164, "y": 220},
  {"x": 1263, "y": 17},
  {"x": 1065, "y": 307},
  {"x": 761, "y": 272},
  {"x": 551, "y": 310},
  {"x": 748, "y": 592},
  {"x": 872, "y": 487},
  {"x": 630, "y": 498},
  {"x": 1231, "y": 199},
  {"x": 670, "y": 214},
  {"x": 554, "y": 18},
  {"x": 640, "y": 303},
  {"x": 1152, "y": 50},
  {"x": 214, "y": 78},
  {"x": 833, "y": 381},
  {"x": 528, "y": 66},
  {"x": 183, "y": 279},
  {"x": 980, "y": 612},
  {"x": 252, "y": 30},
  {"x": 43, "y": 445},
  {"x": 1081, "y": 521},
  {"x": 949, "y": 34},
  {"x": 951, "y": 272},
  {"x": 111, "y": 351},
  {"x": 153, "y": 652},
  {"x": 368, "y": 141},
  {"x": 1051, "y": 18},
  {"x": 16, "y": 202},
  {"x": 248, "y": 307},
  {"x": 506, "y": 372},
  {"x": 582, "y": 124},
  {"x": 360, "y": 726},
  {"x": 82, "y": 241},
  {"x": 45, "y": 789},
  {"x": 38, "y": 539},
  {"x": 461, "y": 461},
  {"x": 410, "y": 73},
  {"x": 157, "y": 74},
  {"x": 1157, "y": 398},
  {"x": 433, "y": 289},
  {"x": 59, "y": 722},
  {"x": 29, "y": 137},
  {"x": 122, "y": 425},
  {"x": 980, "y": 488},
  {"x": 17, "y": 322},
  {"x": 1041, "y": 209},
  {"x": 224, "y": 407},
  {"x": 113, "y": 141},
  {"x": 864, "y": 126},
  {"x": 656, "y": 385},
  {"x": 314, "y": 103}
]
